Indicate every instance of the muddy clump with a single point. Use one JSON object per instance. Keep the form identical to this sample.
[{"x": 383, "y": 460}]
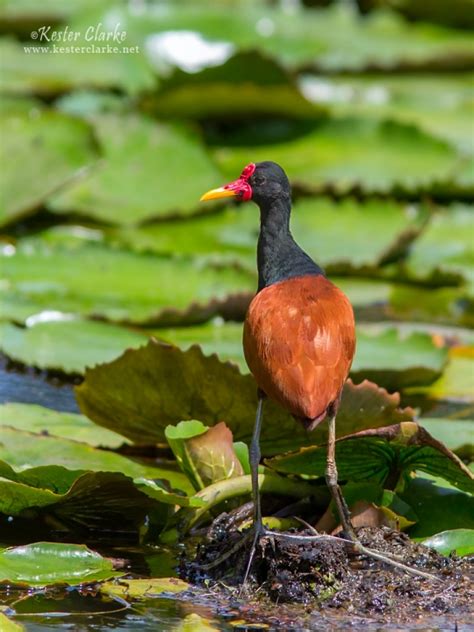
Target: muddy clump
[{"x": 332, "y": 577}]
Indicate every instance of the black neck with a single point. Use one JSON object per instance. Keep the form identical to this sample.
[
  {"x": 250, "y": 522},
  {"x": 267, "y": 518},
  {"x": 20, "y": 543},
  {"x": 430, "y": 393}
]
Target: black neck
[{"x": 278, "y": 255}]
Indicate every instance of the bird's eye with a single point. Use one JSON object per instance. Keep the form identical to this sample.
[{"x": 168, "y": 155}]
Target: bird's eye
[{"x": 259, "y": 180}]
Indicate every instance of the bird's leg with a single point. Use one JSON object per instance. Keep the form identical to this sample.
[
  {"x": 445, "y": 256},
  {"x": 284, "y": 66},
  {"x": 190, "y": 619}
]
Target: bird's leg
[
  {"x": 331, "y": 481},
  {"x": 254, "y": 463}
]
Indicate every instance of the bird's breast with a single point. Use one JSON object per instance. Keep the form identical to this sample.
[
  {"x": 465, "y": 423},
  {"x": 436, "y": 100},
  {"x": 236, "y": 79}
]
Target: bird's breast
[{"x": 299, "y": 341}]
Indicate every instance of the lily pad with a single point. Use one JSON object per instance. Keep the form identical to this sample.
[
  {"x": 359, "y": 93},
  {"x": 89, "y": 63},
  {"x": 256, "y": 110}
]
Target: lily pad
[
  {"x": 352, "y": 153},
  {"x": 231, "y": 235},
  {"x": 25, "y": 450},
  {"x": 459, "y": 541},
  {"x": 206, "y": 455},
  {"x": 42, "y": 274},
  {"x": 457, "y": 381},
  {"x": 456, "y": 434},
  {"x": 26, "y": 72},
  {"x": 331, "y": 38},
  {"x": 166, "y": 385},
  {"x": 447, "y": 305},
  {"x": 41, "y": 150},
  {"x": 76, "y": 499},
  {"x": 396, "y": 362},
  {"x": 387, "y": 358},
  {"x": 384, "y": 455},
  {"x": 44, "y": 421},
  {"x": 143, "y": 588},
  {"x": 445, "y": 248},
  {"x": 68, "y": 345},
  {"x": 414, "y": 98},
  {"x": 149, "y": 170},
  {"x": 247, "y": 84},
  {"x": 439, "y": 507},
  {"x": 48, "y": 563}
]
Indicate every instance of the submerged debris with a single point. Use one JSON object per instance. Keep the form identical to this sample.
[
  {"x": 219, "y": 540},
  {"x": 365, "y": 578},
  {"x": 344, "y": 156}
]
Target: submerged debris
[{"x": 329, "y": 576}]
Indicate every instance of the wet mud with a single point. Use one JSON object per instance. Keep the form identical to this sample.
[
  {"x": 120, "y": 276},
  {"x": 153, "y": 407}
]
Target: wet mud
[{"x": 332, "y": 579}]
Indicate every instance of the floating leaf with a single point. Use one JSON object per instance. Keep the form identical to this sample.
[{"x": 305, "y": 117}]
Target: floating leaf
[
  {"x": 459, "y": 541},
  {"x": 23, "y": 449},
  {"x": 447, "y": 305},
  {"x": 150, "y": 169},
  {"x": 379, "y": 156},
  {"x": 231, "y": 235},
  {"x": 333, "y": 38},
  {"x": 26, "y": 72},
  {"x": 457, "y": 381},
  {"x": 143, "y": 588},
  {"x": 90, "y": 500},
  {"x": 48, "y": 563},
  {"x": 68, "y": 345},
  {"x": 247, "y": 84},
  {"x": 456, "y": 434},
  {"x": 445, "y": 248},
  {"x": 387, "y": 358},
  {"x": 384, "y": 455},
  {"x": 166, "y": 385},
  {"x": 40, "y": 151},
  {"x": 417, "y": 99},
  {"x": 396, "y": 362},
  {"x": 44, "y": 421},
  {"x": 115, "y": 284},
  {"x": 206, "y": 455},
  {"x": 438, "y": 506}
]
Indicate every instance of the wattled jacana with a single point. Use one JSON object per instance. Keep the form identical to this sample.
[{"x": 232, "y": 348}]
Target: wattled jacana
[{"x": 299, "y": 332}]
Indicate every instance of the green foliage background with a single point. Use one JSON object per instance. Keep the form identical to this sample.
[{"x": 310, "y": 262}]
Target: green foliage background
[{"x": 105, "y": 150}]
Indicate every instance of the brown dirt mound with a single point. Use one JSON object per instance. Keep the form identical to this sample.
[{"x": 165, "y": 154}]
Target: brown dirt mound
[{"x": 332, "y": 577}]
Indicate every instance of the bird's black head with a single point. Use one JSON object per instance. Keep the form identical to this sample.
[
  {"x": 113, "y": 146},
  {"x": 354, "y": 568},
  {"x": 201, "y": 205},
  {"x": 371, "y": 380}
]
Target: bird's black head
[{"x": 261, "y": 182}]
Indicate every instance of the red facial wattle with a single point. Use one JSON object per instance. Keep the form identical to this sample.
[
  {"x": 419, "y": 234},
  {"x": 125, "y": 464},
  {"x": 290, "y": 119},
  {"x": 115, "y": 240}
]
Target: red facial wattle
[{"x": 239, "y": 188}]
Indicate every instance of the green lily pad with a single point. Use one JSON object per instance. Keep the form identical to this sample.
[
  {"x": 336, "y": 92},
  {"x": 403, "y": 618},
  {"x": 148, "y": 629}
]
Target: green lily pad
[
  {"x": 25, "y": 450},
  {"x": 77, "y": 499},
  {"x": 166, "y": 385},
  {"x": 143, "y": 588},
  {"x": 396, "y": 362},
  {"x": 439, "y": 507},
  {"x": 66, "y": 345},
  {"x": 42, "y": 274},
  {"x": 387, "y": 358},
  {"x": 446, "y": 305},
  {"x": 456, "y": 434},
  {"x": 41, "y": 150},
  {"x": 331, "y": 38},
  {"x": 457, "y": 381},
  {"x": 384, "y": 455},
  {"x": 459, "y": 541},
  {"x": 445, "y": 248},
  {"x": 206, "y": 455},
  {"x": 352, "y": 153},
  {"x": 247, "y": 84},
  {"x": 33, "y": 418},
  {"x": 48, "y": 563},
  {"x": 417, "y": 99},
  {"x": 27, "y": 73},
  {"x": 149, "y": 170},
  {"x": 231, "y": 235}
]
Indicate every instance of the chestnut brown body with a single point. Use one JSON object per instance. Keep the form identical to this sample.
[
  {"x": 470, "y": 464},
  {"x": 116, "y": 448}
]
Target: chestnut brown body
[{"x": 299, "y": 341}]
